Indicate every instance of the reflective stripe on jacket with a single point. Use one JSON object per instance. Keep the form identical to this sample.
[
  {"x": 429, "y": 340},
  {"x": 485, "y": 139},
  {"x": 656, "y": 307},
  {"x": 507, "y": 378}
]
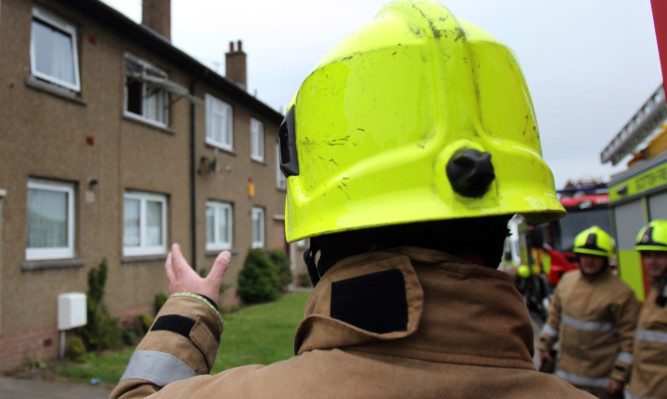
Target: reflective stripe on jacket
[
  {"x": 595, "y": 320},
  {"x": 649, "y": 372},
  {"x": 407, "y": 323}
]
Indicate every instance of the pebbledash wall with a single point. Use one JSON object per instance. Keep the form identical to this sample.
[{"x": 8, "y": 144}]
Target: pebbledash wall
[{"x": 113, "y": 145}]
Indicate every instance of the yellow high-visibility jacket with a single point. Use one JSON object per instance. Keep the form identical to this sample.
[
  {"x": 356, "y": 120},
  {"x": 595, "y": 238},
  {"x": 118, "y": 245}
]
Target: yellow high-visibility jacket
[
  {"x": 407, "y": 323},
  {"x": 595, "y": 320}
]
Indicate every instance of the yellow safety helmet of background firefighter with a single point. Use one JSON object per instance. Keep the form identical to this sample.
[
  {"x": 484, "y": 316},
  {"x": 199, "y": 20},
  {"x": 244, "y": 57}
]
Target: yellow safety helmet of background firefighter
[
  {"x": 652, "y": 237},
  {"x": 523, "y": 271},
  {"x": 416, "y": 116},
  {"x": 594, "y": 241}
]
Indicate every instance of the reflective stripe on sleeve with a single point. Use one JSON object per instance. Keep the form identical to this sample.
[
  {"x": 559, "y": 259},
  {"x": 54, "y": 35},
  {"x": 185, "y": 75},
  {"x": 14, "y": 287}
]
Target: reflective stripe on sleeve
[
  {"x": 547, "y": 329},
  {"x": 630, "y": 395},
  {"x": 156, "y": 367},
  {"x": 625, "y": 357},
  {"x": 581, "y": 380},
  {"x": 652, "y": 336},
  {"x": 588, "y": 325}
]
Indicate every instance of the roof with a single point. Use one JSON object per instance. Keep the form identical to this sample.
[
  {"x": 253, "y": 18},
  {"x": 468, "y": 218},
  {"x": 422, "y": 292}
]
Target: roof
[{"x": 115, "y": 20}]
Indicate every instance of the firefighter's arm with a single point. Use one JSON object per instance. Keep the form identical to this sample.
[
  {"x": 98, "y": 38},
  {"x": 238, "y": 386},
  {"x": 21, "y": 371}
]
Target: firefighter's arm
[
  {"x": 549, "y": 333},
  {"x": 626, "y": 313},
  {"x": 183, "y": 341}
]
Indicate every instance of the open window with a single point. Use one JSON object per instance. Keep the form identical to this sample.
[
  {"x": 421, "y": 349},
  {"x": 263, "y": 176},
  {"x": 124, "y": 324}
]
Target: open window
[
  {"x": 146, "y": 92},
  {"x": 53, "y": 51}
]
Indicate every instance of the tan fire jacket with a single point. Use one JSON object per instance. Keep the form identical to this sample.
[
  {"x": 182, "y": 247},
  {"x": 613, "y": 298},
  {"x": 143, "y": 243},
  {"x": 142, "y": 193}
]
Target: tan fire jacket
[
  {"x": 649, "y": 372},
  {"x": 595, "y": 319},
  {"x": 409, "y": 323}
]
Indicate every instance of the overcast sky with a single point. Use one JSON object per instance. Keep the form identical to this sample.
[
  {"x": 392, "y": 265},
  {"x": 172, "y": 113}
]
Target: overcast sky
[{"x": 589, "y": 64}]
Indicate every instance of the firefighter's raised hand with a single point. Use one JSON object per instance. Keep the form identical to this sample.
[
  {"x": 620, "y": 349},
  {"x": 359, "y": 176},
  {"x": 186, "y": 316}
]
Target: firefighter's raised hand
[
  {"x": 182, "y": 278},
  {"x": 614, "y": 387},
  {"x": 545, "y": 356}
]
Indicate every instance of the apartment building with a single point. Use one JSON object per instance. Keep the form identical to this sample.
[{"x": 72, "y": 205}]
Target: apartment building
[{"x": 115, "y": 144}]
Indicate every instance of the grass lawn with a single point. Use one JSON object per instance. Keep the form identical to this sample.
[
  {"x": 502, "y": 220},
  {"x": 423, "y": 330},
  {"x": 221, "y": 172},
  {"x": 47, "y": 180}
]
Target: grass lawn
[{"x": 259, "y": 334}]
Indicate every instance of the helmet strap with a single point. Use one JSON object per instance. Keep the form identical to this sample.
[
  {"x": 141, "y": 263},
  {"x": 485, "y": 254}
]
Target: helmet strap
[
  {"x": 661, "y": 299},
  {"x": 309, "y": 257}
]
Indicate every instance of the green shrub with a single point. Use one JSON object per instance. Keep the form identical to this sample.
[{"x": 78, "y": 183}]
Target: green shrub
[
  {"x": 284, "y": 266},
  {"x": 145, "y": 322},
  {"x": 101, "y": 330},
  {"x": 129, "y": 336},
  {"x": 258, "y": 280},
  {"x": 160, "y": 299},
  {"x": 303, "y": 280},
  {"x": 75, "y": 350}
]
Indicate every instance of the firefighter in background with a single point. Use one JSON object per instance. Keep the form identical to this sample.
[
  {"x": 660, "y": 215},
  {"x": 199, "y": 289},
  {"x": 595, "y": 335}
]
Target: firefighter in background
[
  {"x": 649, "y": 371},
  {"x": 595, "y": 314},
  {"x": 406, "y": 151}
]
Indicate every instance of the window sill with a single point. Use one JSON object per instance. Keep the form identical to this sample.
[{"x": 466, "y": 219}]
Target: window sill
[
  {"x": 212, "y": 253},
  {"x": 66, "y": 94},
  {"x": 221, "y": 149},
  {"x": 50, "y": 264},
  {"x": 143, "y": 258},
  {"x": 259, "y": 161},
  {"x": 138, "y": 119}
]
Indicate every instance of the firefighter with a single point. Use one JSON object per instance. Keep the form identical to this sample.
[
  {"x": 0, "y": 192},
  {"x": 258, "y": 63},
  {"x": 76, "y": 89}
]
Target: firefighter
[
  {"x": 406, "y": 151},
  {"x": 594, "y": 313},
  {"x": 649, "y": 370}
]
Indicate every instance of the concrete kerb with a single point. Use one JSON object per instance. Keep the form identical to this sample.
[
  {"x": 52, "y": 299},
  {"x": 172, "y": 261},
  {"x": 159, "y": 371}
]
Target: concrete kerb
[{"x": 30, "y": 388}]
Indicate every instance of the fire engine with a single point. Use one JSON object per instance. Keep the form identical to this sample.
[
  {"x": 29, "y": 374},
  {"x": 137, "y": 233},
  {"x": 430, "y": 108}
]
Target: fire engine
[{"x": 543, "y": 252}]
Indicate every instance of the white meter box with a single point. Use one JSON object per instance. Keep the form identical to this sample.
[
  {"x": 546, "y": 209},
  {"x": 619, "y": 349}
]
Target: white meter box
[{"x": 71, "y": 310}]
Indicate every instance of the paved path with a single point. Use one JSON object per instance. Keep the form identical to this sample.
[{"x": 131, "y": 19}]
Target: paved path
[{"x": 20, "y": 388}]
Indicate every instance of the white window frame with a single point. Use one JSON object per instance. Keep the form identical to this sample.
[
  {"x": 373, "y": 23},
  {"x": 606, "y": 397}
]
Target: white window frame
[
  {"x": 67, "y": 251},
  {"x": 256, "y": 140},
  {"x": 281, "y": 180},
  {"x": 216, "y": 108},
  {"x": 65, "y": 28},
  {"x": 258, "y": 214},
  {"x": 218, "y": 243},
  {"x": 154, "y": 108},
  {"x": 143, "y": 248}
]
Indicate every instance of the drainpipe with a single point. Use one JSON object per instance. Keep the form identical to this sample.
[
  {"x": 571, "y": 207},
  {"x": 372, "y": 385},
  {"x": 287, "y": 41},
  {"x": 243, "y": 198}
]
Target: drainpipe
[{"x": 193, "y": 172}]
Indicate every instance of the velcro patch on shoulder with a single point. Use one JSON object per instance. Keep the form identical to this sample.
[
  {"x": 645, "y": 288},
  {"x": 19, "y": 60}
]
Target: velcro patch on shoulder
[
  {"x": 175, "y": 323},
  {"x": 374, "y": 302}
]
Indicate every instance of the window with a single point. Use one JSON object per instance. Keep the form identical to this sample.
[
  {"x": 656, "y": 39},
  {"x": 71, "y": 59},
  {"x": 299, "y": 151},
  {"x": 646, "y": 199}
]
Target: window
[
  {"x": 219, "y": 123},
  {"x": 144, "y": 224},
  {"x": 218, "y": 225},
  {"x": 50, "y": 220},
  {"x": 53, "y": 54},
  {"x": 257, "y": 227},
  {"x": 281, "y": 180},
  {"x": 256, "y": 140},
  {"x": 145, "y": 94}
]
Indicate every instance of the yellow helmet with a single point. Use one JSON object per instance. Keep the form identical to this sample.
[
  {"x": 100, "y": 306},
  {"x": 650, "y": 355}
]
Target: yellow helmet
[
  {"x": 594, "y": 241},
  {"x": 417, "y": 116},
  {"x": 523, "y": 271},
  {"x": 652, "y": 237}
]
